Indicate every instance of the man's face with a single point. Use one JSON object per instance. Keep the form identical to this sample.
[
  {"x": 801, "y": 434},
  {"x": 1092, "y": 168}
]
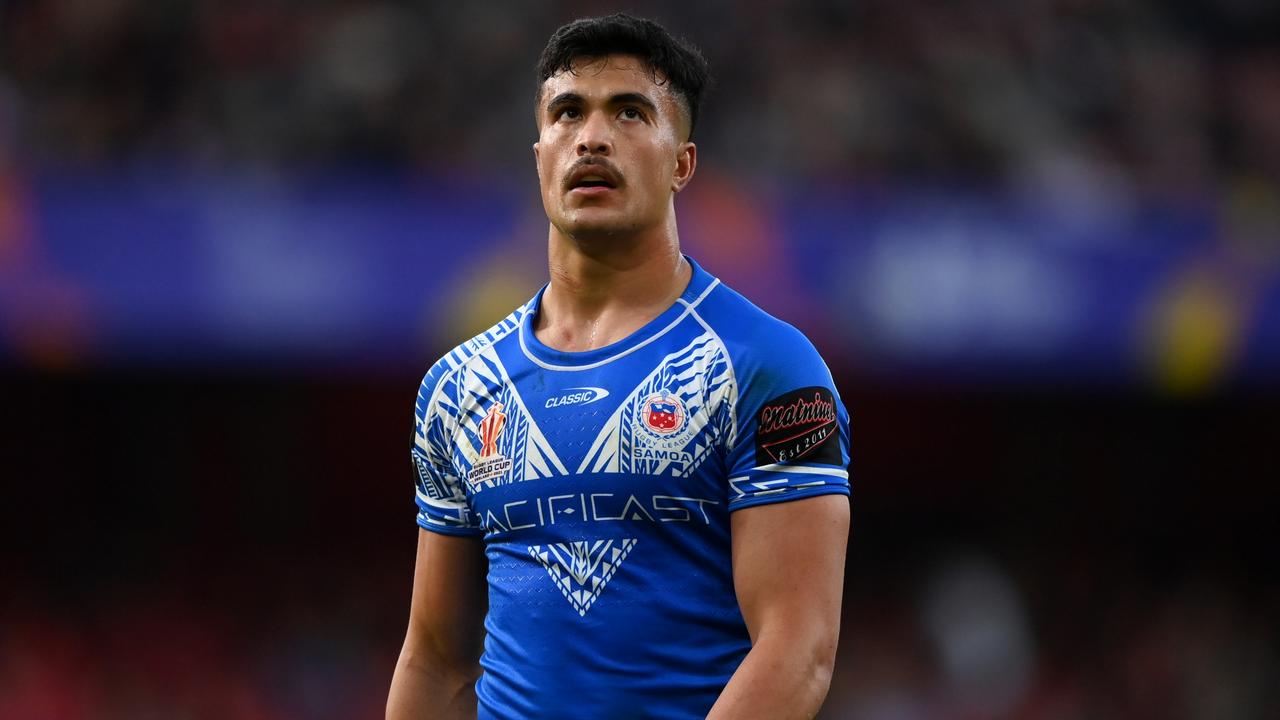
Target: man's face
[{"x": 610, "y": 149}]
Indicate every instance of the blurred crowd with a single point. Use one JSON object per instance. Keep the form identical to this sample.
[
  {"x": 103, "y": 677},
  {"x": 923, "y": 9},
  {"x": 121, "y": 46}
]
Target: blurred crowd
[
  {"x": 1125, "y": 125},
  {"x": 967, "y": 642},
  {"x": 1095, "y": 95},
  {"x": 974, "y": 643}
]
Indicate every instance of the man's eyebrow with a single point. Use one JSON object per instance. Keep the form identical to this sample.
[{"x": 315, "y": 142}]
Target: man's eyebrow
[
  {"x": 631, "y": 98},
  {"x": 634, "y": 99},
  {"x": 564, "y": 98}
]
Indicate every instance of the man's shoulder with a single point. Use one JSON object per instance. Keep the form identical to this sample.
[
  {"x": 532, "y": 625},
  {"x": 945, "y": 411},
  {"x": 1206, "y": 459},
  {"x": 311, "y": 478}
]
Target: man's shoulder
[
  {"x": 468, "y": 351},
  {"x": 752, "y": 337}
]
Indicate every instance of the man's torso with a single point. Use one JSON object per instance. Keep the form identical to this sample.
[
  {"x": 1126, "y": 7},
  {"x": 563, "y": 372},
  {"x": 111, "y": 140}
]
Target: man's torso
[{"x": 602, "y": 483}]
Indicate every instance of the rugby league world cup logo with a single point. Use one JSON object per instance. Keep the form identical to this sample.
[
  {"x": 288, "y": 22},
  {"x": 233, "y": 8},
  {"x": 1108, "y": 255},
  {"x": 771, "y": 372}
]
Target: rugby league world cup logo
[
  {"x": 491, "y": 464},
  {"x": 490, "y": 429}
]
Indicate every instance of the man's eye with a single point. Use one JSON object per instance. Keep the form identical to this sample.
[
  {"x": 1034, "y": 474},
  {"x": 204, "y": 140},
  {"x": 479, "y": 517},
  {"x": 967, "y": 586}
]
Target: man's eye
[
  {"x": 569, "y": 113},
  {"x": 632, "y": 114}
]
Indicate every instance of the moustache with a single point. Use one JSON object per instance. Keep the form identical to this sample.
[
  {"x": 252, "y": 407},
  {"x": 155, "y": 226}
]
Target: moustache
[{"x": 597, "y": 166}]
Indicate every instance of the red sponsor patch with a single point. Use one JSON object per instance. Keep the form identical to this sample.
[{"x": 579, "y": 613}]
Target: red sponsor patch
[{"x": 799, "y": 426}]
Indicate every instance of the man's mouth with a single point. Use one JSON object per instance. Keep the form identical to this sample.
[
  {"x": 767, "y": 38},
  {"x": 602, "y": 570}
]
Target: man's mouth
[
  {"x": 591, "y": 181},
  {"x": 592, "y": 178}
]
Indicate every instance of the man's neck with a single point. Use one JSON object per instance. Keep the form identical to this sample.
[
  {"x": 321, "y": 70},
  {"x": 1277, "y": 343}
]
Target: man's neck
[{"x": 604, "y": 289}]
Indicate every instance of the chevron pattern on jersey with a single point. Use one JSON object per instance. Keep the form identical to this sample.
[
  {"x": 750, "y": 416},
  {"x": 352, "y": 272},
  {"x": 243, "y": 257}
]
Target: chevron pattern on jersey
[
  {"x": 482, "y": 383},
  {"x": 472, "y": 379},
  {"x": 700, "y": 375},
  {"x": 582, "y": 568},
  {"x": 436, "y": 417},
  {"x": 430, "y": 484},
  {"x": 436, "y": 424}
]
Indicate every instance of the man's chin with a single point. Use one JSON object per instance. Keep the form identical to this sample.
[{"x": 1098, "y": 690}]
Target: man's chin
[{"x": 594, "y": 222}]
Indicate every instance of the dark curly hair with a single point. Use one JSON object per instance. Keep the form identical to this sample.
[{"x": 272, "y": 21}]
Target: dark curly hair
[{"x": 671, "y": 60}]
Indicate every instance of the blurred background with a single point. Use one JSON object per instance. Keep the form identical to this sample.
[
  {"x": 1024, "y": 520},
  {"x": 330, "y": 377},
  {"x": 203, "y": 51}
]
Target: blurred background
[{"x": 1038, "y": 242}]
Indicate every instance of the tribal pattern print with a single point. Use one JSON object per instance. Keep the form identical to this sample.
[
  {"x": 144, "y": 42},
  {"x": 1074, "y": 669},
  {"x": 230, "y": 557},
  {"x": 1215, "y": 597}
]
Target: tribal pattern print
[
  {"x": 483, "y": 383},
  {"x": 582, "y": 568},
  {"x": 700, "y": 377}
]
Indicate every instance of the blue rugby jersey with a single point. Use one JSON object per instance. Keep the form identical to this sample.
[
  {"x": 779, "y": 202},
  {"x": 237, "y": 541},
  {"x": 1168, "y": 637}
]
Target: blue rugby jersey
[{"x": 602, "y": 482}]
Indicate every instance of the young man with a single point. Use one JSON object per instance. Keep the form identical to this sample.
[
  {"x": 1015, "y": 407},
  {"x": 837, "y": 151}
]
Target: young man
[{"x": 653, "y": 468}]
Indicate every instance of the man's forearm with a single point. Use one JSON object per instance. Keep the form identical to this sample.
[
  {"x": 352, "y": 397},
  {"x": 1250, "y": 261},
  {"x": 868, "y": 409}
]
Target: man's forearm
[
  {"x": 779, "y": 679},
  {"x": 422, "y": 688}
]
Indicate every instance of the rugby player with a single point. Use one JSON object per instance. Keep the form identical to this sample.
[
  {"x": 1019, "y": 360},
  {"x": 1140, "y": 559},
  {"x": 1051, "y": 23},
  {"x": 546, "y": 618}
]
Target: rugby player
[{"x": 632, "y": 492}]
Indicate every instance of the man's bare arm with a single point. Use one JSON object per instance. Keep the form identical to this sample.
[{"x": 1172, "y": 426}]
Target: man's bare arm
[
  {"x": 440, "y": 661},
  {"x": 788, "y": 571}
]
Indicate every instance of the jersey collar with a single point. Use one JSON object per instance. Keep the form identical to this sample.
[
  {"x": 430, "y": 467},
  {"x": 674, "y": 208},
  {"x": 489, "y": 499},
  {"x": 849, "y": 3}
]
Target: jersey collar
[{"x": 700, "y": 284}]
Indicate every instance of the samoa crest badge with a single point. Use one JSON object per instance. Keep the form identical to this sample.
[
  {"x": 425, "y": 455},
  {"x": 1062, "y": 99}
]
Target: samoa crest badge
[
  {"x": 663, "y": 415},
  {"x": 662, "y": 432}
]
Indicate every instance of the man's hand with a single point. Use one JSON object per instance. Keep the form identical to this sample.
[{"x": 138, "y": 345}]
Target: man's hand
[
  {"x": 788, "y": 571},
  {"x": 436, "y": 674}
]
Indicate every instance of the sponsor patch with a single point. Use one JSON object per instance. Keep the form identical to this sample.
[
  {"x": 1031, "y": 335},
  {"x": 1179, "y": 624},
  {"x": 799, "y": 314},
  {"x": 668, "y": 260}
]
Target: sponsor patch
[{"x": 799, "y": 426}]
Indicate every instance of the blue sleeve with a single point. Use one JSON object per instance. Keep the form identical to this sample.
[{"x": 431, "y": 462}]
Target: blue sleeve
[
  {"x": 441, "y": 496},
  {"x": 792, "y": 435}
]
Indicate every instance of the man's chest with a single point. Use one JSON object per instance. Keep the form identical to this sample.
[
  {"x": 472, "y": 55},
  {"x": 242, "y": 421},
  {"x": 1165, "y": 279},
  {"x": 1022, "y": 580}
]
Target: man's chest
[
  {"x": 571, "y": 475},
  {"x": 632, "y": 424}
]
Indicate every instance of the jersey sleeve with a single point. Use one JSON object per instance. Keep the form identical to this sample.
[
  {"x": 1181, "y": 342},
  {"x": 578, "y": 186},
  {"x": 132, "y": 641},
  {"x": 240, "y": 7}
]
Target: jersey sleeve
[
  {"x": 440, "y": 494},
  {"x": 792, "y": 437}
]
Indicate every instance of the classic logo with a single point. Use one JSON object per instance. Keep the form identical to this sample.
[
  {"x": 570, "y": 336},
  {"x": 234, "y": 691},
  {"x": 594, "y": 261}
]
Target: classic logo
[
  {"x": 491, "y": 464},
  {"x": 577, "y": 396},
  {"x": 799, "y": 426},
  {"x": 662, "y": 414}
]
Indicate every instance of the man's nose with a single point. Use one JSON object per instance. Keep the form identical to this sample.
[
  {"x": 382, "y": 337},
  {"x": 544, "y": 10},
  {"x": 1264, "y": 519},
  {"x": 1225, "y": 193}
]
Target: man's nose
[{"x": 596, "y": 135}]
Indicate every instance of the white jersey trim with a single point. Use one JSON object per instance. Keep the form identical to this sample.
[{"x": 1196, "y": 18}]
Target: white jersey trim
[
  {"x": 733, "y": 375},
  {"x": 689, "y": 306},
  {"x": 804, "y": 469}
]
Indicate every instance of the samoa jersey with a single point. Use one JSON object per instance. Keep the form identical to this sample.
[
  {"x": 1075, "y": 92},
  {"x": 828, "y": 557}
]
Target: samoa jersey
[{"x": 602, "y": 482}]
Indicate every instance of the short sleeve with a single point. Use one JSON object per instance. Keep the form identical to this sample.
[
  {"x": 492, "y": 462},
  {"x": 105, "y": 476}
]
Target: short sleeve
[
  {"x": 792, "y": 436},
  {"x": 441, "y": 498}
]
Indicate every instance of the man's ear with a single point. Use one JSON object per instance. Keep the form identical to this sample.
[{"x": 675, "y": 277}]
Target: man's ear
[
  {"x": 536, "y": 156},
  {"x": 686, "y": 164}
]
